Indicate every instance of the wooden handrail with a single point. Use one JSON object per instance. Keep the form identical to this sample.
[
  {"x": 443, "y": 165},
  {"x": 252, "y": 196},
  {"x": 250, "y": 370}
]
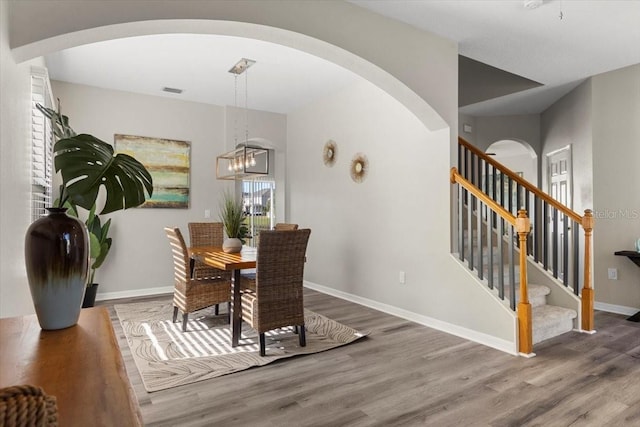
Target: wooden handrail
[
  {"x": 492, "y": 204},
  {"x": 586, "y": 222},
  {"x": 522, "y": 225},
  {"x": 523, "y": 182}
]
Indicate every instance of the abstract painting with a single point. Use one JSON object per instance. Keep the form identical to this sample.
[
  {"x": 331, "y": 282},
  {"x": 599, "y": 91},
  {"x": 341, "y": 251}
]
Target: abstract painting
[{"x": 168, "y": 161}]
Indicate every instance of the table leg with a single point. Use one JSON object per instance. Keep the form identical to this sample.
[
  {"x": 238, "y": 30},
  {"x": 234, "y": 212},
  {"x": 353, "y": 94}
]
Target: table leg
[{"x": 236, "y": 310}]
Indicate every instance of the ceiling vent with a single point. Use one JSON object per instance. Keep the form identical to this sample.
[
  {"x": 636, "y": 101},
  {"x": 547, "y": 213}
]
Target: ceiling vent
[
  {"x": 172, "y": 90},
  {"x": 532, "y": 4}
]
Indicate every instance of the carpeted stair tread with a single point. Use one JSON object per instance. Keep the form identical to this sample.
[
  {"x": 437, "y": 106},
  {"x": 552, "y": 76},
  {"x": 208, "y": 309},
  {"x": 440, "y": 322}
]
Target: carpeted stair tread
[
  {"x": 550, "y": 321},
  {"x": 537, "y": 294}
]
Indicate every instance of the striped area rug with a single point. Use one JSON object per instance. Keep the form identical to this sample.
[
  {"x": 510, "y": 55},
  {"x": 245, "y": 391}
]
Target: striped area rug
[{"x": 167, "y": 357}]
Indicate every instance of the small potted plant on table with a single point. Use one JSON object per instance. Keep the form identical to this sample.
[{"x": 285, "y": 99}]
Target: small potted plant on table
[{"x": 233, "y": 217}]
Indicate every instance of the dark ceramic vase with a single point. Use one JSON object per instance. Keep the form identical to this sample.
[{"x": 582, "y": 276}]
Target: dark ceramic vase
[{"x": 57, "y": 259}]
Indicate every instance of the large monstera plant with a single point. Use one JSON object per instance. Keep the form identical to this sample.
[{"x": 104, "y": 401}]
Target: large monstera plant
[{"x": 86, "y": 163}]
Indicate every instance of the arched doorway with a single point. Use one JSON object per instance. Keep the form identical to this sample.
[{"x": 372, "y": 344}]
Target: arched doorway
[{"x": 518, "y": 156}]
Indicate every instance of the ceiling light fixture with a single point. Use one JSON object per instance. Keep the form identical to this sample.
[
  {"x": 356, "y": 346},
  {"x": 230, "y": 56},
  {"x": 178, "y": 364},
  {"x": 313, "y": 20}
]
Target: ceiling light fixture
[{"x": 245, "y": 160}]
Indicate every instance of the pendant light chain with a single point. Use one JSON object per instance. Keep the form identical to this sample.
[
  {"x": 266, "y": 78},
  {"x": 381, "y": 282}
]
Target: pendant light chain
[
  {"x": 235, "y": 116},
  {"x": 246, "y": 106}
]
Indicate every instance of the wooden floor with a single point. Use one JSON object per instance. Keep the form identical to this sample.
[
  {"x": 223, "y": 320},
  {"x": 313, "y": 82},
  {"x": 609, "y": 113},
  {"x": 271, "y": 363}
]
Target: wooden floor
[{"x": 405, "y": 374}]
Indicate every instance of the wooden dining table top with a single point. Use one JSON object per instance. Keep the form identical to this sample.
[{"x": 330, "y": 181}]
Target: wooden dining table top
[{"x": 214, "y": 256}]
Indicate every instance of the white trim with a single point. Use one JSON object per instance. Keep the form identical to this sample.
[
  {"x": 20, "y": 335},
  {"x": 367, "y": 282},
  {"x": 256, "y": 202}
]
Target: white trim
[
  {"x": 134, "y": 293},
  {"x": 613, "y": 308},
  {"x": 459, "y": 331}
]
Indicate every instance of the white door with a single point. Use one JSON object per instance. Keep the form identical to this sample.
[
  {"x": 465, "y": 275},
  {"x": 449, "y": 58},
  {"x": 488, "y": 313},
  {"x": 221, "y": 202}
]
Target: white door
[{"x": 559, "y": 177}]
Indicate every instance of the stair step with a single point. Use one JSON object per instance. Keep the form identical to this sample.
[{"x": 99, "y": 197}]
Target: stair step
[
  {"x": 550, "y": 321},
  {"x": 537, "y": 294}
]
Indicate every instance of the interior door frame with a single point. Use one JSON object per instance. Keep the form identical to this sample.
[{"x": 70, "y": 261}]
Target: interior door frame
[{"x": 569, "y": 172}]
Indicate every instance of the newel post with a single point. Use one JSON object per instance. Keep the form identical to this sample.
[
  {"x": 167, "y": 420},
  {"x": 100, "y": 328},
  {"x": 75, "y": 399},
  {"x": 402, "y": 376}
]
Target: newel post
[
  {"x": 525, "y": 324},
  {"x": 587, "y": 289}
]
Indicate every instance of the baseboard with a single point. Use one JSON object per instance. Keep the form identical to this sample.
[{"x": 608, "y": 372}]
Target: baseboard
[
  {"x": 613, "y": 308},
  {"x": 134, "y": 293},
  {"x": 459, "y": 331}
]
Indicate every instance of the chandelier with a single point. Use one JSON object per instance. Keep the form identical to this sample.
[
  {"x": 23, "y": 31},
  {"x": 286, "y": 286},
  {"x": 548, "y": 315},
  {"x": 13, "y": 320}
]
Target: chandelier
[{"x": 245, "y": 160}]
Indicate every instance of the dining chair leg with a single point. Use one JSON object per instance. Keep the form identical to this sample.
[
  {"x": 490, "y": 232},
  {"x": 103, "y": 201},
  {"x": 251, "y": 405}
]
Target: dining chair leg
[
  {"x": 185, "y": 317},
  {"x": 301, "y": 337},
  {"x": 175, "y": 313},
  {"x": 263, "y": 350},
  {"x": 229, "y": 312},
  {"x": 216, "y": 310},
  {"x": 295, "y": 329}
]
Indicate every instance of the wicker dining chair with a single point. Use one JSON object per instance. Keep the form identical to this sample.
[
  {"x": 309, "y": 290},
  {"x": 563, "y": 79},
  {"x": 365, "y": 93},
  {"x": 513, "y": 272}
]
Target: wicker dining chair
[
  {"x": 282, "y": 226},
  {"x": 27, "y": 405},
  {"x": 277, "y": 300},
  {"x": 249, "y": 276},
  {"x": 190, "y": 294},
  {"x": 206, "y": 234}
]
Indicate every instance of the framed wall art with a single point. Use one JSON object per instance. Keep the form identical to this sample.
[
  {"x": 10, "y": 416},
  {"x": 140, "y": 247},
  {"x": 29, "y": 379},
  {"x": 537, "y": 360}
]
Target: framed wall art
[{"x": 168, "y": 161}]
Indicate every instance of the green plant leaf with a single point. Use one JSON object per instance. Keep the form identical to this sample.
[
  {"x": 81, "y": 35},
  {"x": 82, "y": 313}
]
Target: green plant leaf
[
  {"x": 94, "y": 244},
  {"x": 104, "y": 250},
  {"x": 61, "y": 128},
  {"x": 86, "y": 163},
  {"x": 233, "y": 216},
  {"x": 105, "y": 232}
]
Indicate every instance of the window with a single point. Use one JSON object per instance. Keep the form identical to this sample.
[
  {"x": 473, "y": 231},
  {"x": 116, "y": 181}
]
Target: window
[
  {"x": 41, "y": 144},
  {"x": 258, "y": 203}
]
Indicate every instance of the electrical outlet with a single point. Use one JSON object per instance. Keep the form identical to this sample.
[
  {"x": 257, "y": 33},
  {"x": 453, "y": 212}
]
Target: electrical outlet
[
  {"x": 402, "y": 278},
  {"x": 207, "y": 213},
  {"x": 613, "y": 274}
]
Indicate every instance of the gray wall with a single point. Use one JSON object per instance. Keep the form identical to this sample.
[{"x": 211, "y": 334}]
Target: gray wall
[
  {"x": 568, "y": 122},
  {"x": 616, "y": 185},
  {"x": 365, "y": 234},
  {"x": 524, "y": 127}
]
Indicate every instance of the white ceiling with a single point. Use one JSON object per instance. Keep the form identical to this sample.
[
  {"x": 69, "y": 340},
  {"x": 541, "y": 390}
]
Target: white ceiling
[
  {"x": 591, "y": 38},
  {"x": 281, "y": 80}
]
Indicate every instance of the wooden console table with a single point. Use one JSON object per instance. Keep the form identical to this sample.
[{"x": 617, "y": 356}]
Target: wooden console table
[
  {"x": 632, "y": 255},
  {"x": 81, "y": 366},
  {"x": 635, "y": 257}
]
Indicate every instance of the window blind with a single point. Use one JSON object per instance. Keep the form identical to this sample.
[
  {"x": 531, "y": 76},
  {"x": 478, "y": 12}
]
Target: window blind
[{"x": 41, "y": 144}]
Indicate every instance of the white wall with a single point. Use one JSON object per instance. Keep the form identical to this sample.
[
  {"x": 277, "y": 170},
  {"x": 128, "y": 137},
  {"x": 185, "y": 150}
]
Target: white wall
[
  {"x": 15, "y": 185},
  {"x": 616, "y": 185},
  {"x": 363, "y": 235},
  {"x": 139, "y": 260}
]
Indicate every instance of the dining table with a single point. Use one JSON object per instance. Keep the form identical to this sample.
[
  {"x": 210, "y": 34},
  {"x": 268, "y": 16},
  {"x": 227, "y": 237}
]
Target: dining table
[{"x": 214, "y": 256}]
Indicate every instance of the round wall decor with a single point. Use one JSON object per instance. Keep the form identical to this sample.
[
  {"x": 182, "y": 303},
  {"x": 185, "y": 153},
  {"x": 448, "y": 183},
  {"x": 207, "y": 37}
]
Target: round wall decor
[
  {"x": 329, "y": 153},
  {"x": 359, "y": 167}
]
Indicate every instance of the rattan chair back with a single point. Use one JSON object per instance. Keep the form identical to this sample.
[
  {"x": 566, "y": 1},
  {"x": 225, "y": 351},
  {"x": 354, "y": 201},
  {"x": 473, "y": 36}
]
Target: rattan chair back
[
  {"x": 207, "y": 234},
  {"x": 279, "y": 279},
  {"x": 283, "y": 226}
]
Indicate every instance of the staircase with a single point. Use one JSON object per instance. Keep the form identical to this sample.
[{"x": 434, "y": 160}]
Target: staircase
[{"x": 496, "y": 212}]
